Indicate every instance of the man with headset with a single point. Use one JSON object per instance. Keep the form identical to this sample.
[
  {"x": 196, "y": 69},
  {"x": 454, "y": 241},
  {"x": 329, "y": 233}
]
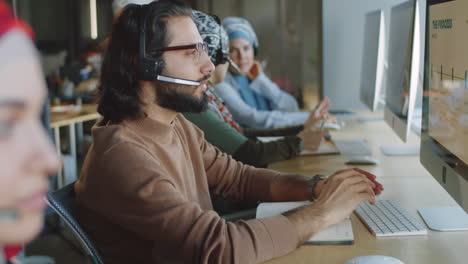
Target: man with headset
[{"x": 143, "y": 192}]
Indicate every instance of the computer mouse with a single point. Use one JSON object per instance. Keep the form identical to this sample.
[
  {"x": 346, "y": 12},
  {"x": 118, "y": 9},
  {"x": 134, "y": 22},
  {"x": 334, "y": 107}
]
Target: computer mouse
[
  {"x": 362, "y": 160},
  {"x": 374, "y": 259}
]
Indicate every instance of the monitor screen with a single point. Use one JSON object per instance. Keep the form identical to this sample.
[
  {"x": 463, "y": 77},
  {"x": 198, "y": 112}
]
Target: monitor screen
[
  {"x": 404, "y": 65},
  {"x": 372, "y": 59},
  {"x": 444, "y": 145}
]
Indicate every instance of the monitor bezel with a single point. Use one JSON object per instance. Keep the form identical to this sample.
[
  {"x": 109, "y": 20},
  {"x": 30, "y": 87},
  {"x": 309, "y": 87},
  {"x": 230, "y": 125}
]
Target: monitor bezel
[{"x": 373, "y": 104}]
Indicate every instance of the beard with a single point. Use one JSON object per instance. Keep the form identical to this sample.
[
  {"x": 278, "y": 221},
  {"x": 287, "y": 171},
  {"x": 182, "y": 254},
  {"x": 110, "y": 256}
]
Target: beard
[{"x": 178, "y": 98}]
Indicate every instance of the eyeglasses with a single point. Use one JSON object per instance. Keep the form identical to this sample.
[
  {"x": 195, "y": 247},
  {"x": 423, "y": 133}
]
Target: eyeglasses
[{"x": 199, "y": 48}]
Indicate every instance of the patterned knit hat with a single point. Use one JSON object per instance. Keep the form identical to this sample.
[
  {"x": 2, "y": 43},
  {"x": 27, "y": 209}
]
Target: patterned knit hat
[
  {"x": 237, "y": 27},
  {"x": 214, "y": 35}
]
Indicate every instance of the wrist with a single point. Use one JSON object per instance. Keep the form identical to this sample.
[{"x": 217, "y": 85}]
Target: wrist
[
  {"x": 312, "y": 186},
  {"x": 307, "y": 220}
]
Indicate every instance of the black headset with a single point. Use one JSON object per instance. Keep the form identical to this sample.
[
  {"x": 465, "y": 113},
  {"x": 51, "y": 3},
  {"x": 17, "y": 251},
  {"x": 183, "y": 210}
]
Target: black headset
[{"x": 150, "y": 68}]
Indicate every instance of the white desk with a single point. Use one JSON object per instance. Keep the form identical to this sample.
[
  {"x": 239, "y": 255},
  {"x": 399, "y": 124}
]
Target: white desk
[{"x": 404, "y": 180}]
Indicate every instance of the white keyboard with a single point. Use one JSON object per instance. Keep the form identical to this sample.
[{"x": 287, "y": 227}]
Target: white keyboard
[
  {"x": 353, "y": 147},
  {"x": 387, "y": 218}
]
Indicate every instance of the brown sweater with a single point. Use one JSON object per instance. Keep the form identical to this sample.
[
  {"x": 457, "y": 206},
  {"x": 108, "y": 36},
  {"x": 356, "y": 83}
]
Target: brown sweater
[{"x": 143, "y": 196}]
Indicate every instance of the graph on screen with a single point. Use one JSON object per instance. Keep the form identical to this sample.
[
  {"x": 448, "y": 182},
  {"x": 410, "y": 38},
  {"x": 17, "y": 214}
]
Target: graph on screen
[{"x": 448, "y": 93}]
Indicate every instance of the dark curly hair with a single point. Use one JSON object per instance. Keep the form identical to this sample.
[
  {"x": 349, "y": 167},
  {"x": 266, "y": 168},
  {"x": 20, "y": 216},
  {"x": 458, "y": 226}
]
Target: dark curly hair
[{"x": 118, "y": 92}]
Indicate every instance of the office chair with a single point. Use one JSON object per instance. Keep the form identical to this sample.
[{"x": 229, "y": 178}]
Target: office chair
[{"x": 63, "y": 203}]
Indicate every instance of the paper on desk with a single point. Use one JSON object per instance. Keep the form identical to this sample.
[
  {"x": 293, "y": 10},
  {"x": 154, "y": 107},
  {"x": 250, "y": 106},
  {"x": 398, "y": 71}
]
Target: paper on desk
[
  {"x": 340, "y": 234},
  {"x": 325, "y": 147},
  {"x": 269, "y": 139}
]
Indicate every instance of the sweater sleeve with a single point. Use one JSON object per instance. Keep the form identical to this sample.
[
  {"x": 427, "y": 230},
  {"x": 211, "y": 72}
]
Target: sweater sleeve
[
  {"x": 248, "y": 116},
  {"x": 259, "y": 154},
  {"x": 272, "y": 132},
  {"x": 150, "y": 204},
  {"x": 217, "y": 132},
  {"x": 280, "y": 99}
]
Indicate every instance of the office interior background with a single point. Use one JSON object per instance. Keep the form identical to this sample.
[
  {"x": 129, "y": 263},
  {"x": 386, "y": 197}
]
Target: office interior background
[
  {"x": 289, "y": 33},
  {"x": 310, "y": 48}
]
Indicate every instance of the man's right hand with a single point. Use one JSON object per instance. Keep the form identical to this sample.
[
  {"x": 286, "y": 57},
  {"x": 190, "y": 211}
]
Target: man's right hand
[{"x": 340, "y": 194}]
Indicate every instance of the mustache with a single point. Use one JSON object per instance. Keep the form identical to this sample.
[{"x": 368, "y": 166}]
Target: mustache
[{"x": 204, "y": 78}]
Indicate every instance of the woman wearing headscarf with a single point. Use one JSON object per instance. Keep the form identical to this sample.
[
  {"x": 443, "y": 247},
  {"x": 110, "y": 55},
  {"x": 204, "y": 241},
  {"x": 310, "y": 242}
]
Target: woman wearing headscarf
[
  {"x": 253, "y": 99},
  {"x": 222, "y": 130},
  {"x": 26, "y": 154}
]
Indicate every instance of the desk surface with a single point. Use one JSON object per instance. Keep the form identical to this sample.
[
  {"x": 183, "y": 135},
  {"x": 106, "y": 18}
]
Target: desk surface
[
  {"x": 88, "y": 112},
  {"x": 406, "y": 181}
]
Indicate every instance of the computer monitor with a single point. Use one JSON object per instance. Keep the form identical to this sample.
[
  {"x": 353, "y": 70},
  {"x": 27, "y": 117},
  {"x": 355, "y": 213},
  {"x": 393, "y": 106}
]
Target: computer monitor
[
  {"x": 373, "y": 55},
  {"x": 404, "y": 64},
  {"x": 444, "y": 138}
]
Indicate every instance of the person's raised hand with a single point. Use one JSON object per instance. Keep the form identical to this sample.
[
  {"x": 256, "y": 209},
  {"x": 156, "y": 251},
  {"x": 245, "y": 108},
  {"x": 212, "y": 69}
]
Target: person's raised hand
[
  {"x": 255, "y": 70},
  {"x": 319, "y": 114}
]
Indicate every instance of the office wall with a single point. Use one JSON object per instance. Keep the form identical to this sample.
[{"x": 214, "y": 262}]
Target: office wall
[
  {"x": 289, "y": 33},
  {"x": 343, "y": 34},
  {"x": 64, "y": 24}
]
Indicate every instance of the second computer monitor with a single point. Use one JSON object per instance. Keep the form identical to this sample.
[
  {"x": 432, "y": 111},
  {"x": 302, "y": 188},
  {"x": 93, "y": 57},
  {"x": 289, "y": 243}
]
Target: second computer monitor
[
  {"x": 373, "y": 56},
  {"x": 404, "y": 65}
]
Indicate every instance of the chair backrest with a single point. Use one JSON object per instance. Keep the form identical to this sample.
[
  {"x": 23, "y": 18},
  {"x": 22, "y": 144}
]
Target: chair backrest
[{"x": 64, "y": 204}]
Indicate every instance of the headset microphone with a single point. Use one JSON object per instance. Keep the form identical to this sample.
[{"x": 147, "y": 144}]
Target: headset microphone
[
  {"x": 149, "y": 68},
  {"x": 168, "y": 79},
  {"x": 234, "y": 65}
]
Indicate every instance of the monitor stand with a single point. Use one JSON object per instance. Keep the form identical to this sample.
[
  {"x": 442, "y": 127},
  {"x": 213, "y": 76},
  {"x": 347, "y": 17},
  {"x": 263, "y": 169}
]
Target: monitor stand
[
  {"x": 400, "y": 150},
  {"x": 445, "y": 218}
]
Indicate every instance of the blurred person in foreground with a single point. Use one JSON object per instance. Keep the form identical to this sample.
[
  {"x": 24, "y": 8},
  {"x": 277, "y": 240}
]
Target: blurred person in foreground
[{"x": 26, "y": 153}]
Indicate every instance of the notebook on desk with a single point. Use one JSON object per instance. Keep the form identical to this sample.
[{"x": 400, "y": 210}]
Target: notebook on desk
[
  {"x": 268, "y": 139},
  {"x": 326, "y": 147},
  {"x": 340, "y": 234}
]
